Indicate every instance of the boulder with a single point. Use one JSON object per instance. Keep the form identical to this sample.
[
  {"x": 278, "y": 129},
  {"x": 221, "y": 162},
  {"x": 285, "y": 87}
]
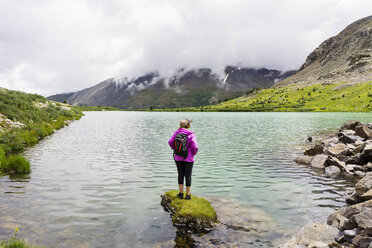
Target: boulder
[
  {"x": 366, "y": 155},
  {"x": 347, "y": 138},
  {"x": 303, "y": 160},
  {"x": 367, "y": 196},
  {"x": 348, "y": 132},
  {"x": 359, "y": 147},
  {"x": 348, "y": 212},
  {"x": 314, "y": 150},
  {"x": 337, "y": 150},
  {"x": 364, "y": 219},
  {"x": 350, "y": 125},
  {"x": 312, "y": 234},
  {"x": 368, "y": 166},
  {"x": 332, "y": 171},
  {"x": 319, "y": 161},
  {"x": 362, "y": 241},
  {"x": 353, "y": 198},
  {"x": 359, "y": 174},
  {"x": 363, "y": 131},
  {"x": 336, "y": 162},
  {"x": 364, "y": 184},
  {"x": 350, "y": 233}
]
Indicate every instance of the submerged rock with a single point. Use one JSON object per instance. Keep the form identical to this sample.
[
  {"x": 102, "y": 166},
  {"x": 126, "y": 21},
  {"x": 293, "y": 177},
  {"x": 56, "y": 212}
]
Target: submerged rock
[{"x": 313, "y": 235}]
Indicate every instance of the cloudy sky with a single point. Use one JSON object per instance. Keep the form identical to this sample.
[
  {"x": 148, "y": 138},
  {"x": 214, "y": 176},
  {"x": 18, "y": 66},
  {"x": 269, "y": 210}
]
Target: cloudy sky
[{"x": 51, "y": 46}]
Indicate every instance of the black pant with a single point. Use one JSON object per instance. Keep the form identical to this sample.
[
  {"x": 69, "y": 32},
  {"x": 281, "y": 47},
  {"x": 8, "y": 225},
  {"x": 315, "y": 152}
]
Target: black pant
[{"x": 184, "y": 170}]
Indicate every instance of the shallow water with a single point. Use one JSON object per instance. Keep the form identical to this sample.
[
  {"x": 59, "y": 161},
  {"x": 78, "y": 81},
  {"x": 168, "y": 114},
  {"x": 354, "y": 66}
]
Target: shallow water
[{"x": 96, "y": 183}]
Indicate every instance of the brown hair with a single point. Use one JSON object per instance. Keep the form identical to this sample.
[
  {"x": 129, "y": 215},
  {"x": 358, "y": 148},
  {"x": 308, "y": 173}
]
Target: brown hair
[{"x": 185, "y": 123}]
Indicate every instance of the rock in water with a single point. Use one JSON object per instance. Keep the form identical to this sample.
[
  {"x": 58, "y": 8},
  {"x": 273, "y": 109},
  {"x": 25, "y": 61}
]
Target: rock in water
[
  {"x": 303, "y": 160},
  {"x": 314, "y": 150},
  {"x": 195, "y": 215},
  {"x": 350, "y": 125},
  {"x": 332, "y": 171},
  {"x": 319, "y": 233},
  {"x": 363, "y": 131},
  {"x": 319, "y": 161}
]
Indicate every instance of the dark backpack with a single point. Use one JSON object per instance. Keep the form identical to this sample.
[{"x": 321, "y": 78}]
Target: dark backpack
[{"x": 180, "y": 145}]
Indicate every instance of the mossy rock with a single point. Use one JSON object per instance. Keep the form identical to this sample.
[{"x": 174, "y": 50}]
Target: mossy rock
[{"x": 196, "y": 215}]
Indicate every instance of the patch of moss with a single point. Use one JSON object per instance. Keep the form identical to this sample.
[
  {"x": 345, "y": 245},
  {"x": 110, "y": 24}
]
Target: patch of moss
[{"x": 196, "y": 207}]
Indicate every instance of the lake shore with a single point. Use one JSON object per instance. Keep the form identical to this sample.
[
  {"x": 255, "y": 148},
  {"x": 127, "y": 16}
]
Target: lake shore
[{"x": 348, "y": 153}]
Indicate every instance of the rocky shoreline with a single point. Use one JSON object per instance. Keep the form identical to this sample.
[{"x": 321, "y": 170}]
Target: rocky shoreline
[{"x": 349, "y": 153}]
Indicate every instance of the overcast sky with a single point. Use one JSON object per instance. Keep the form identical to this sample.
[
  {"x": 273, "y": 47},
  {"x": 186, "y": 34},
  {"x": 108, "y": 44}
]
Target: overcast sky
[{"x": 50, "y": 46}]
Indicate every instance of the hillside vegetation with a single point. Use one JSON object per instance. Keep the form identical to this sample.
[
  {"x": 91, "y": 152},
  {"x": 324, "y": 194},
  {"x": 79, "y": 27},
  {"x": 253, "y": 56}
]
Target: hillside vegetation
[
  {"x": 326, "y": 97},
  {"x": 24, "y": 120}
]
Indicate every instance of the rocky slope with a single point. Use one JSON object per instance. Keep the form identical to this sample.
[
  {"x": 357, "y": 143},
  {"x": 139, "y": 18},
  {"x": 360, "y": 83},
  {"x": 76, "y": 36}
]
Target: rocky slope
[
  {"x": 346, "y": 57},
  {"x": 185, "y": 88}
]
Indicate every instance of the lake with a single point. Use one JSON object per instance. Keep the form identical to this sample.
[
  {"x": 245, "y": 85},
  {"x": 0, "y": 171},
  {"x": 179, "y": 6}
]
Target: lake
[{"x": 98, "y": 181}]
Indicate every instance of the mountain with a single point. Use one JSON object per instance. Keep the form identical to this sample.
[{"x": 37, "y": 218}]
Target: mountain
[
  {"x": 185, "y": 88},
  {"x": 336, "y": 76},
  {"x": 346, "y": 57}
]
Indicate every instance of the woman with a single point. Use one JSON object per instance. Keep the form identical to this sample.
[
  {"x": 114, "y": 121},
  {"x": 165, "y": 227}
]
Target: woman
[{"x": 184, "y": 163}]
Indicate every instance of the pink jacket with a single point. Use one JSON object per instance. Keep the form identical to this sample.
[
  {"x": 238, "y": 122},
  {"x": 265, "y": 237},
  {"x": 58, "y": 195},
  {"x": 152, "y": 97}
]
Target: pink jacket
[{"x": 191, "y": 142}]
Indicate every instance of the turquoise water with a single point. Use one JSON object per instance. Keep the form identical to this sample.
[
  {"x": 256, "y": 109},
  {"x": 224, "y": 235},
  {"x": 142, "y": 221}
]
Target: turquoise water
[{"x": 97, "y": 182}]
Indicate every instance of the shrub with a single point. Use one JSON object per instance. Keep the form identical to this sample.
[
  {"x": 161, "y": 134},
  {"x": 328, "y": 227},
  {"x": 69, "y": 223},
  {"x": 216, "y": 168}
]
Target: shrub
[{"x": 16, "y": 165}]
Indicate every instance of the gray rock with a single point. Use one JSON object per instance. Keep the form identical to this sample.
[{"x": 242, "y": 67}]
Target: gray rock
[
  {"x": 362, "y": 241},
  {"x": 367, "y": 196},
  {"x": 363, "y": 131},
  {"x": 350, "y": 125},
  {"x": 348, "y": 132},
  {"x": 359, "y": 173},
  {"x": 366, "y": 155},
  {"x": 314, "y": 150},
  {"x": 303, "y": 160},
  {"x": 336, "y": 162},
  {"x": 348, "y": 139},
  {"x": 353, "y": 198},
  {"x": 359, "y": 142},
  {"x": 350, "y": 167},
  {"x": 337, "y": 150},
  {"x": 319, "y": 161},
  {"x": 364, "y": 219},
  {"x": 332, "y": 171},
  {"x": 348, "y": 212},
  {"x": 350, "y": 233},
  {"x": 364, "y": 184},
  {"x": 316, "y": 232},
  {"x": 369, "y": 166}
]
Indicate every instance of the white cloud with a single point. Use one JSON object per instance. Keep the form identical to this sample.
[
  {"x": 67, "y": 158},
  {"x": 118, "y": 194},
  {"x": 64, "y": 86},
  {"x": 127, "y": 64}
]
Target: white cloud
[{"x": 60, "y": 46}]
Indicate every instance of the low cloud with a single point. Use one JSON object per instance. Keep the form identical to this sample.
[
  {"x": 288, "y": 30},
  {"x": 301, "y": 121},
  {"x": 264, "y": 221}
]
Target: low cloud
[{"x": 51, "y": 47}]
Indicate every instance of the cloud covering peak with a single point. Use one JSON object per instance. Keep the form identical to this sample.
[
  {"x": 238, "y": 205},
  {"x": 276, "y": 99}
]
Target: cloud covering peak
[{"x": 51, "y": 47}]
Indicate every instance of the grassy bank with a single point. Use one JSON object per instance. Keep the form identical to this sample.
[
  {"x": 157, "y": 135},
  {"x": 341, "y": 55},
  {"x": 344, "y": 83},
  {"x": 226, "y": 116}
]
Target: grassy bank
[
  {"x": 326, "y": 97},
  {"x": 24, "y": 120}
]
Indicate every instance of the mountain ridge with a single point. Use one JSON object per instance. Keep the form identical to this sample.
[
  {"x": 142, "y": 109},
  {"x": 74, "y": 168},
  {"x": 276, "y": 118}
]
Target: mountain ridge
[{"x": 185, "y": 88}]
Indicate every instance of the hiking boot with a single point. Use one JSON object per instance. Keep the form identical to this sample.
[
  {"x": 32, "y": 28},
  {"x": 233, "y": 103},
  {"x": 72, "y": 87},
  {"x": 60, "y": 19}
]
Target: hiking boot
[
  {"x": 180, "y": 195},
  {"x": 188, "y": 197}
]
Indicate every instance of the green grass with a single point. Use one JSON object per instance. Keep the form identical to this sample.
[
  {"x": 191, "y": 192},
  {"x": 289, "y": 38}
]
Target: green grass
[
  {"x": 196, "y": 207},
  {"x": 339, "y": 97},
  {"x": 39, "y": 118},
  {"x": 15, "y": 243}
]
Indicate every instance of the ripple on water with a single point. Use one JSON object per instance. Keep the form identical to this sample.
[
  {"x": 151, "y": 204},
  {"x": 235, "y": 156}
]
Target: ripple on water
[{"x": 96, "y": 182}]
